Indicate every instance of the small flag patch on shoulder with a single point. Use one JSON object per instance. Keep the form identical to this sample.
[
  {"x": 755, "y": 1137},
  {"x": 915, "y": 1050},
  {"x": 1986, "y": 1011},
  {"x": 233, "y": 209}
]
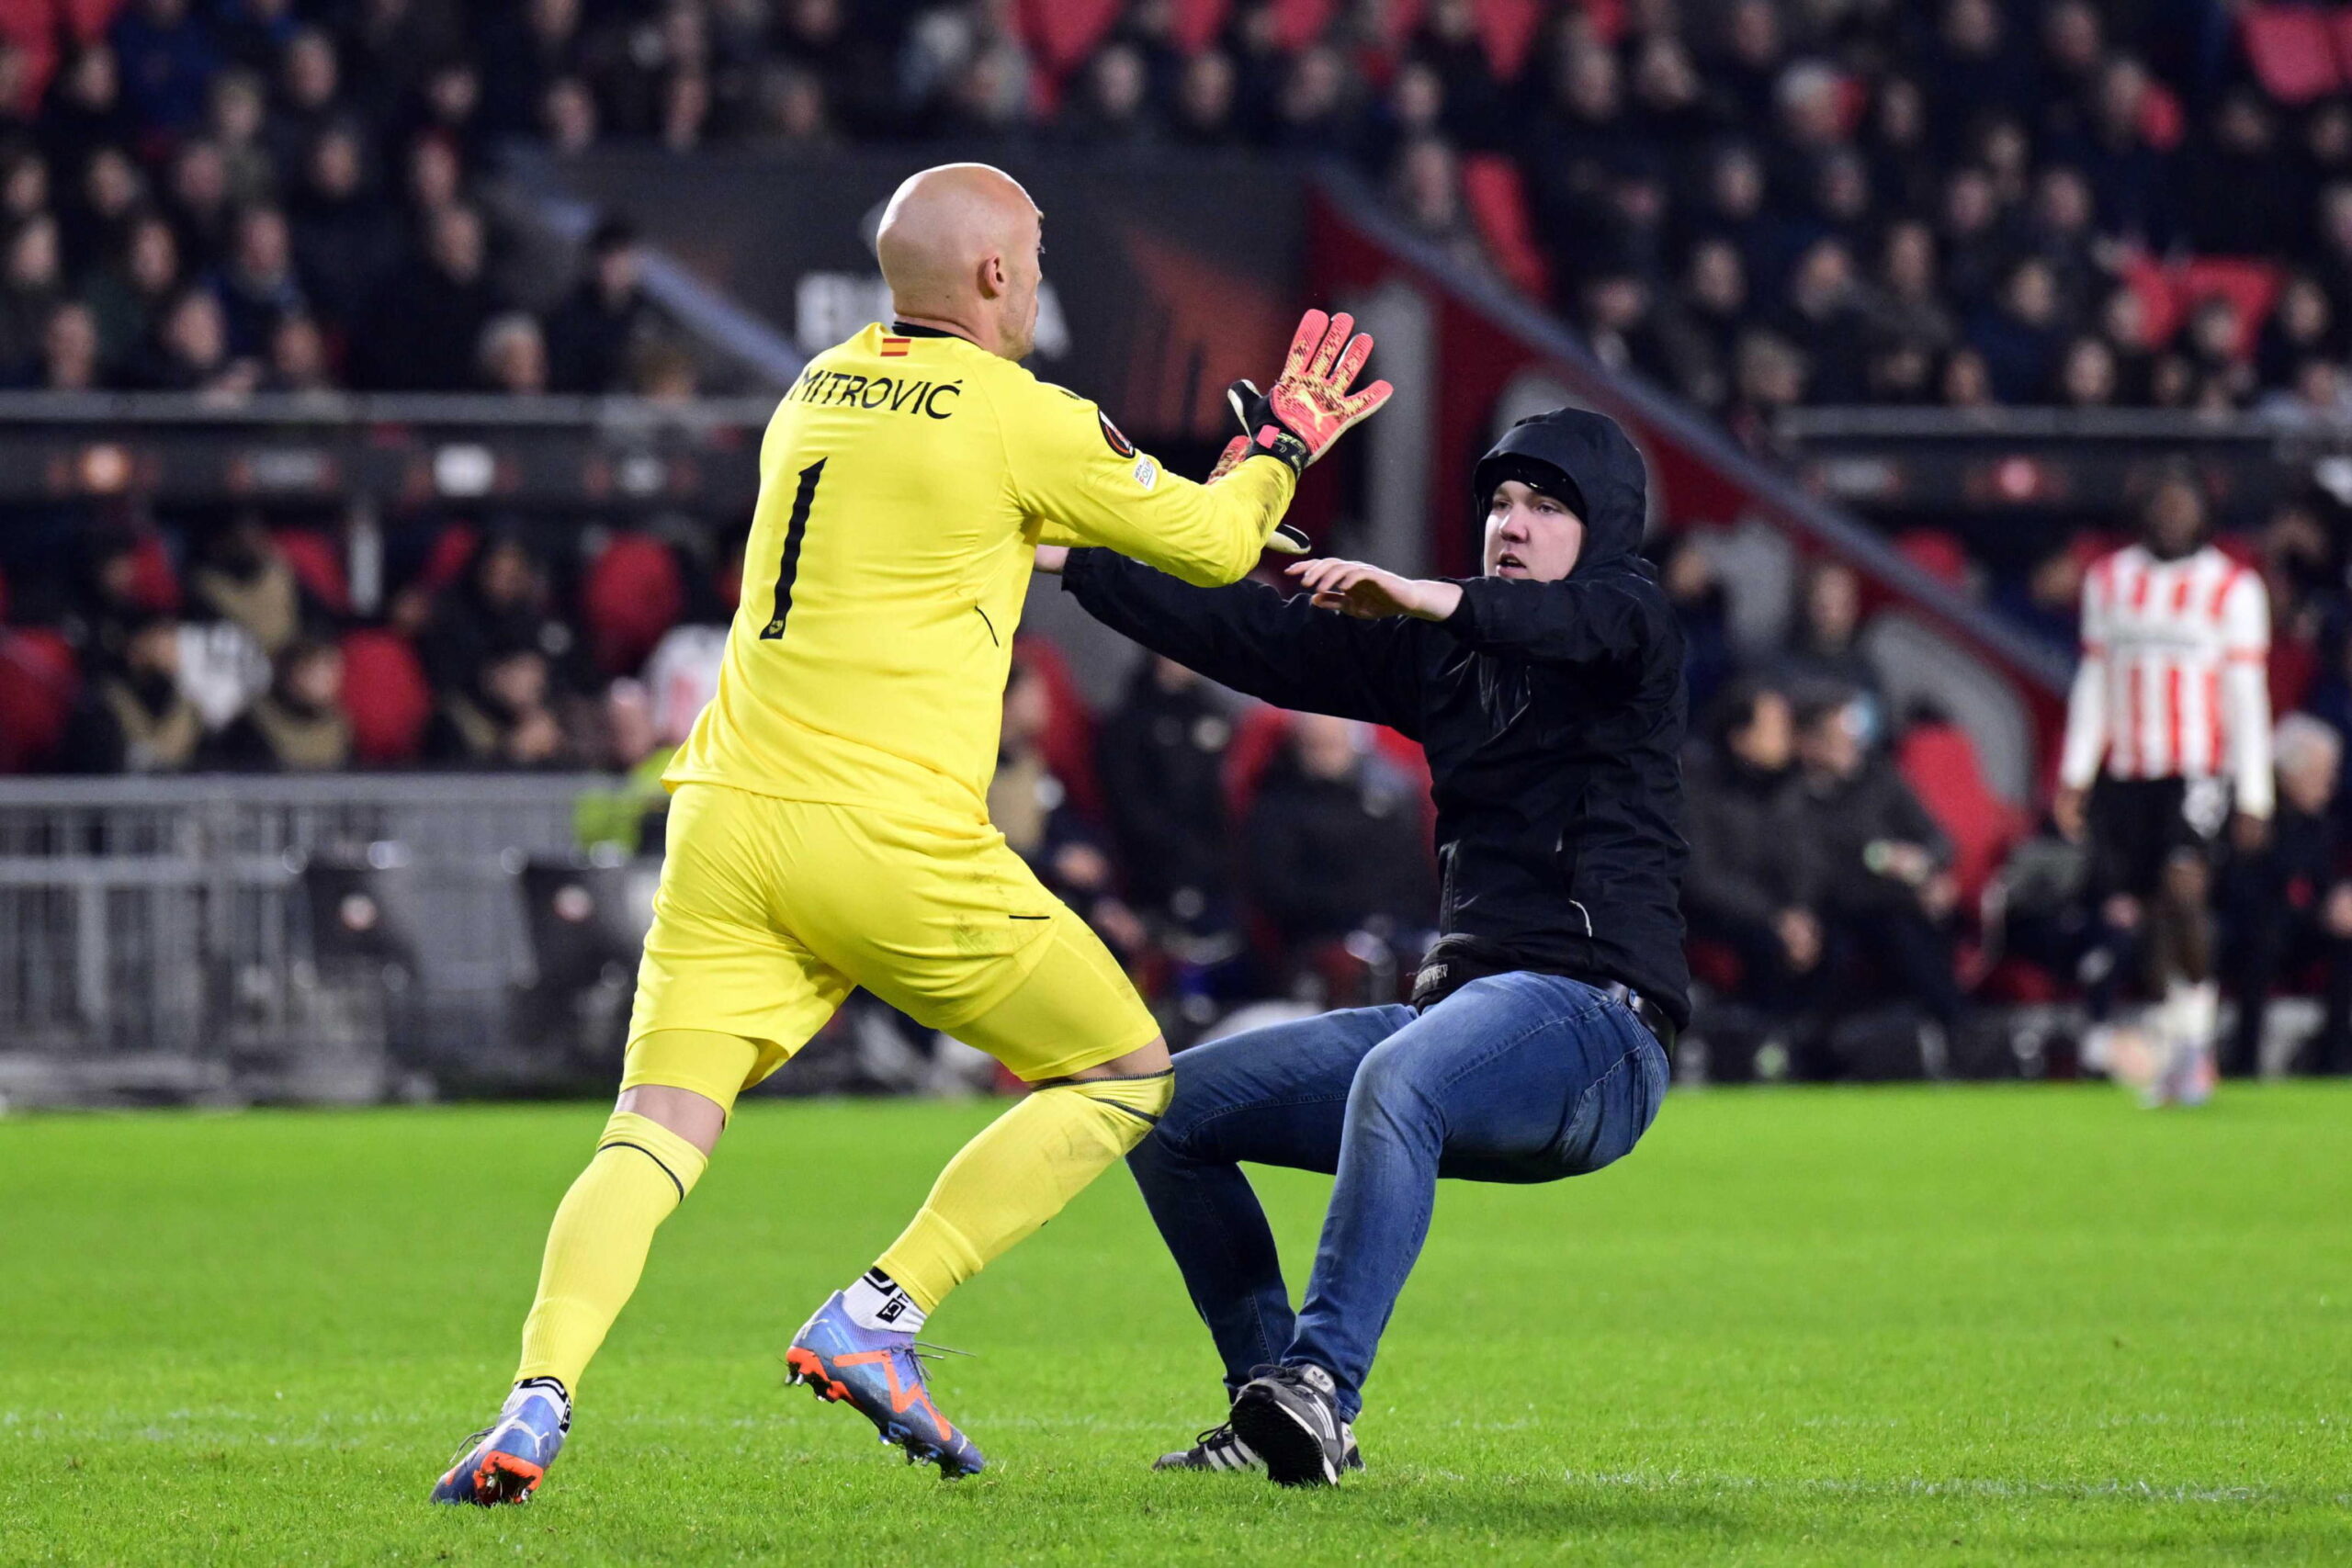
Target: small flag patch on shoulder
[{"x": 896, "y": 347}]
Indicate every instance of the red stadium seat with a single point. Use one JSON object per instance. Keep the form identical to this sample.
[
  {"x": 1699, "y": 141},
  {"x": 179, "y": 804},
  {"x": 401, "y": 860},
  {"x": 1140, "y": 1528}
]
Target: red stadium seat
[
  {"x": 2162, "y": 119},
  {"x": 1198, "y": 23},
  {"x": 1062, "y": 33},
  {"x": 2340, "y": 23},
  {"x": 452, "y": 552},
  {"x": 632, "y": 594},
  {"x": 153, "y": 581},
  {"x": 1508, "y": 29},
  {"x": 1497, "y": 203},
  {"x": 312, "y": 558},
  {"x": 1940, "y": 555},
  {"x": 2168, "y": 293},
  {"x": 1298, "y": 23},
  {"x": 385, "y": 695},
  {"x": 38, "y": 680},
  {"x": 87, "y": 21},
  {"x": 2291, "y": 52},
  {"x": 1940, "y": 763}
]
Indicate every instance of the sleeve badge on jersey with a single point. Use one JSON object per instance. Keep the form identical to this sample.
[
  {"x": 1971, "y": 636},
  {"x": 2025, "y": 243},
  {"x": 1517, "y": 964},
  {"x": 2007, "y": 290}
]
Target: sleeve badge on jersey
[
  {"x": 1146, "y": 472},
  {"x": 1110, "y": 433}
]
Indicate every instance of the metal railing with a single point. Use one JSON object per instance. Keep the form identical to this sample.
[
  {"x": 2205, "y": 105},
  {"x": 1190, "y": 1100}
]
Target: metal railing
[{"x": 156, "y": 935}]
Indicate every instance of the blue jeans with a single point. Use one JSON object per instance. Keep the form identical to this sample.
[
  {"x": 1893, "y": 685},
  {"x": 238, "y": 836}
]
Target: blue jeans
[{"x": 1514, "y": 1077}]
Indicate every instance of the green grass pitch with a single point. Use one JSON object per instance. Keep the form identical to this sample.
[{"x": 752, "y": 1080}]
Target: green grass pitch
[{"x": 1967, "y": 1325}]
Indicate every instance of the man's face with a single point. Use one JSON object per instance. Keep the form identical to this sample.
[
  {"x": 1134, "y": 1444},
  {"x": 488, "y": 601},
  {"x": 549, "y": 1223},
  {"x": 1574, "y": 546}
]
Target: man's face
[
  {"x": 1769, "y": 738},
  {"x": 2307, "y": 780},
  {"x": 1531, "y": 534},
  {"x": 317, "y": 679},
  {"x": 2176, "y": 516}
]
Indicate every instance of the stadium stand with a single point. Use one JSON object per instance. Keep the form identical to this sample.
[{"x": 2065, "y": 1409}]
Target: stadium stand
[{"x": 1755, "y": 206}]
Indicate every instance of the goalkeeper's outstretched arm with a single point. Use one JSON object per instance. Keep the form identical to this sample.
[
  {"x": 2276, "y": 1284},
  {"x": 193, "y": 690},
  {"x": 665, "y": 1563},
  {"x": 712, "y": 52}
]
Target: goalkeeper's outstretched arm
[{"x": 1073, "y": 468}]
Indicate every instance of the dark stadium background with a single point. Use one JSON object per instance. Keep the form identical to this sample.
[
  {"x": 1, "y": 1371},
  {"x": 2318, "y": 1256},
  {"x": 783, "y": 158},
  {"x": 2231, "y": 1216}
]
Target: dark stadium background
[{"x": 384, "y": 382}]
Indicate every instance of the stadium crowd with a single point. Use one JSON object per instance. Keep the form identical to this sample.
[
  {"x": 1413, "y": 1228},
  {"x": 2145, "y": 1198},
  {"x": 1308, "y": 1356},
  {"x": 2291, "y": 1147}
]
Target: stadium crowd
[{"x": 1758, "y": 205}]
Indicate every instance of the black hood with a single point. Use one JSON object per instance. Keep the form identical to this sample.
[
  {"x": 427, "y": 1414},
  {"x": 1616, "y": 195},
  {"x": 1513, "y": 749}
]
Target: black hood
[{"x": 1586, "y": 460}]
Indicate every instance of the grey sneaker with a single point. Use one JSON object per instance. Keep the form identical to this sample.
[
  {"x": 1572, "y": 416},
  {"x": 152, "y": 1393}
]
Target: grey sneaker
[
  {"x": 1216, "y": 1449},
  {"x": 1290, "y": 1418}
]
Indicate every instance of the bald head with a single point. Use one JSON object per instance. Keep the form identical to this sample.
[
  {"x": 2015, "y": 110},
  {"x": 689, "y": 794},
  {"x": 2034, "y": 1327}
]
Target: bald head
[{"x": 959, "y": 247}]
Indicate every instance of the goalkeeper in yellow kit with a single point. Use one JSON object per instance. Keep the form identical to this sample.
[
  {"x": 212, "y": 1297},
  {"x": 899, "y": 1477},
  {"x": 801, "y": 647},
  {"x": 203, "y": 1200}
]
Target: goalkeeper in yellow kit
[{"x": 829, "y": 827}]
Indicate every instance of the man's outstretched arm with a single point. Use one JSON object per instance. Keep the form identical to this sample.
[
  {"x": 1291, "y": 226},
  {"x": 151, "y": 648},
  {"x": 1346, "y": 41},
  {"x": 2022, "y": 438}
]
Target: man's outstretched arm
[
  {"x": 1580, "y": 622},
  {"x": 1250, "y": 638}
]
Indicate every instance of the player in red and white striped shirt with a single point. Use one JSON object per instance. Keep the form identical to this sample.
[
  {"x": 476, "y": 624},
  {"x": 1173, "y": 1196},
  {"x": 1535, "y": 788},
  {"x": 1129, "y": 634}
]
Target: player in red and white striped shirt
[{"x": 2170, "y": 714}]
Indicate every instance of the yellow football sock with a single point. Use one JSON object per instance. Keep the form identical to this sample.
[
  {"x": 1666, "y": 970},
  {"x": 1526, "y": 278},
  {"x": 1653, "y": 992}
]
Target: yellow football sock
[
  {"x": 596, "y": 1248},
  {"x": 1017, "y": 1173}
]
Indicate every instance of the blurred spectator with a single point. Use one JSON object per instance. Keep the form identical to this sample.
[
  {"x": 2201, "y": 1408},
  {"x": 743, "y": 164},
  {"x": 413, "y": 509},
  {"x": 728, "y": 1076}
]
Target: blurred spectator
[
  {"x": 1428, "y": 196},
  {"x": 504, "y": 715},
  {"x": 237, "y": 114},
  {"x": 1886, "y": 895},
  {"x": 1161, "y": 758},
  {"x": 1696, "y": 592},
  {"x": 1313, "y": 109},
  {"x": 426, "y": 332},
  {"x": 167, "y": 58},
  {"x": 297, "y": 725},
  {"x": 243, "y": 577},
  {"x": 69, "y": 351},
  {"x": 84, "y": 109},
  {"x": 1699, "y": 329},
  {"x": 1335, "y": 839},
  {"x": 1824, "y": 661},
  {"x": 594, "y": 331},
  {"x": 2236, "y": 204},
  {"x": 2020, "y": 339},
  {"x": 344, "y": 239},
  {"x": 2287, "y": 907},
  {"x": 1111, "y": 103},
  {"x": 2087, "y": 375},
  {"x": 513, "y": 357},
  {"x": 188, "y": 351},
  {"x": 1753, "y": 880},
  {"x": 133, "y": 717},
  {"x": 257, "y": 289},
  {"x": 1205, "y": 102},
  {"x": 2302, "y": 327},
  {"x": 30, "y": 289},
  {"x": 499, "y": 606},
  {"x": 298, "y": 358},
  {"x": 1823, "y": 313},
  {"x": 197, "y": 195},
  {"x": 1032, "y": 808},
  {"x": 1908, "y": 306}
]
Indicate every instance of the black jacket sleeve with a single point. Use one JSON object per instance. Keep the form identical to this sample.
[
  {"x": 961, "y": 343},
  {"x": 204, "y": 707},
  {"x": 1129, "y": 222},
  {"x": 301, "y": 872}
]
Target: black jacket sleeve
[
  {"x": 1610, "y": 616},
  {"x": 1250, "y": 638}
]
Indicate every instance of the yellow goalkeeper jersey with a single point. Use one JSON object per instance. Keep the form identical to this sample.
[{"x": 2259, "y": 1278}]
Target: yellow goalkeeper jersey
[{"x": 906, "y": 482}]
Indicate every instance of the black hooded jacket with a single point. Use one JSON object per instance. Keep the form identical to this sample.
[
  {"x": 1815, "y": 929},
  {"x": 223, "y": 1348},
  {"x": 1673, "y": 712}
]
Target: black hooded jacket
[{"x": 1551, "y": 713}]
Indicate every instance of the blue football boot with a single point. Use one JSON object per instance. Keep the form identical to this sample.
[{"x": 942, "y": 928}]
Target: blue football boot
[
  {"x": 880, "y": 1372},
  {"x": 504, "y": 1462}
]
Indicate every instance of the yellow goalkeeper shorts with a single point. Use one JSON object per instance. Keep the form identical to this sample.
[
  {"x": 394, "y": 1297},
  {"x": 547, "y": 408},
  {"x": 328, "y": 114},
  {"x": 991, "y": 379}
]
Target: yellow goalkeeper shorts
[{"x": 771, "y": 911}]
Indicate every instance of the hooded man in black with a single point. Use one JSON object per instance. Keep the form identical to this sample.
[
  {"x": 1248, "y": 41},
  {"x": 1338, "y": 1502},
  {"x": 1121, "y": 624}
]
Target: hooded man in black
[{"x": 1547, "y": 694}]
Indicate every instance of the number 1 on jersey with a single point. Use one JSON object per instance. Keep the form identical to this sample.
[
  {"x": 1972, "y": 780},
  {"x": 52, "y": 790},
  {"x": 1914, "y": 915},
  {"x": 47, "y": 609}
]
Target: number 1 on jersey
[{"x": 795, "y": 526}]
